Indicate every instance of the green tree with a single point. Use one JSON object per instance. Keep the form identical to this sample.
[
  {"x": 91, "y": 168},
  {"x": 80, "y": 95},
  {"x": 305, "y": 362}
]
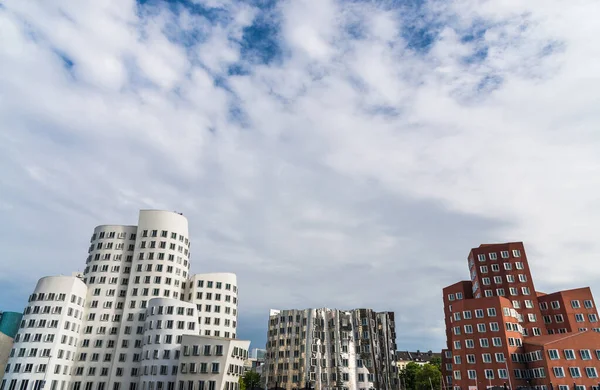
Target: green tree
[
  {"x": 408, "y": 375},
  {"x": 249, "y": 380},
  {"x": 436, "y": 361},
  {"x": 428, "y": 377}
]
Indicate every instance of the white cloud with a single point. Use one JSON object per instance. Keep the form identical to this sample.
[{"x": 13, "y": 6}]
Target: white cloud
[{"x": 355, "y": 159}]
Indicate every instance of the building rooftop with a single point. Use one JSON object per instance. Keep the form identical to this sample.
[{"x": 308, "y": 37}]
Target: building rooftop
[{"x": 417, "y": 356}]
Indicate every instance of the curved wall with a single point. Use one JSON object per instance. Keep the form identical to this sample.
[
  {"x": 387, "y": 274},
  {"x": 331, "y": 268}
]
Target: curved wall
[
  {"x": 159, "y": 269},
  {"x": 47, "y": 340},
  {"x": 167, "y": 320}
]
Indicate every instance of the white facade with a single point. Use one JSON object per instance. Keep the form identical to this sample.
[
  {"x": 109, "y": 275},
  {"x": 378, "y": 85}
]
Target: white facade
[
  {"x": 46, "y": 345},
  {"x": 215, "y": 296},
  {"x": 211, "y": 363},
  {"x": 119, "y": 326}
]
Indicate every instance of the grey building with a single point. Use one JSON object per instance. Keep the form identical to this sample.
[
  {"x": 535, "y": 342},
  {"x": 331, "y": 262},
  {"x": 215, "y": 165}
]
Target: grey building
[{"x": 332, "y": 349}]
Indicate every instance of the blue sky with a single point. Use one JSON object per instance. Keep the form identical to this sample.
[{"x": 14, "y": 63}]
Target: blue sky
[{"x": 331, "y": 153}]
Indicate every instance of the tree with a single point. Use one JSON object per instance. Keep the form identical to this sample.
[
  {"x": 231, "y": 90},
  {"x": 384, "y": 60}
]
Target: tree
[
  {"x": 249, "y": 380},
  {"x": 420, "y": 377},
  {"x": 408, "y": 375},
  {"x": 429, "y": 376},
  {"x": 436, "y": 361}
]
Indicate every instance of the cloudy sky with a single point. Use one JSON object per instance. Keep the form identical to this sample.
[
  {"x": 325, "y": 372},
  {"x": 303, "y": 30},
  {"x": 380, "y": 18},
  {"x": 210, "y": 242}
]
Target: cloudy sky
[{"x": 331, "y": 153}]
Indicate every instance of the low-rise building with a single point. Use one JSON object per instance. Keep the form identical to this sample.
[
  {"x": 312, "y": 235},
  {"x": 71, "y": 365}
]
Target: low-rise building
[{"x": 418, "y": 357}]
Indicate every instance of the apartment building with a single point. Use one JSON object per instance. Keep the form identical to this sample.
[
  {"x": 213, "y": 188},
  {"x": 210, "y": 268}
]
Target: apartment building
[
  {"x": 331, "y": 349},
  {"x": 123, "y": 323},
  {"x": 500, "y": 330}
]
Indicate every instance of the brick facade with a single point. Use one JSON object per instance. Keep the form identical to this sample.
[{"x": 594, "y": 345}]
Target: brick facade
[{"x": 500, "y": 331}]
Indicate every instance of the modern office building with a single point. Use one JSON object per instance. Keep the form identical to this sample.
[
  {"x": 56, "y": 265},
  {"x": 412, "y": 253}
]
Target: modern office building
[
  {"x": 331, "y": 349},
  {"x": 501, "y": 332},
  {"x": 127, "y": 321}
]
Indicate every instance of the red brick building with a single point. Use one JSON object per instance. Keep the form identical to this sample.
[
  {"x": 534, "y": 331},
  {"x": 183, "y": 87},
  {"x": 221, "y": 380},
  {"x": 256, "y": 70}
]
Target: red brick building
[{"x": 501, "y": 332}]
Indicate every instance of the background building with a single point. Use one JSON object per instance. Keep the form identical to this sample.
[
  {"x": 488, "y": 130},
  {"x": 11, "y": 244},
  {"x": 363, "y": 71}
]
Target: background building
[
  {"x": 500, "y": 331},
  {"x": 418, "y": 357},
  {"x": 331, "y": 348},
  {"x": 9, "y": 326},
  {"x": 121, "y": 324}
]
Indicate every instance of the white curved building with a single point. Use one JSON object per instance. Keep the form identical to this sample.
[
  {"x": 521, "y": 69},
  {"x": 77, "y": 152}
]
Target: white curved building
[
  {"x": 122, "y": 321},
  {"x": 216, "y": 298},
  {"x": 46, "y": 344}
]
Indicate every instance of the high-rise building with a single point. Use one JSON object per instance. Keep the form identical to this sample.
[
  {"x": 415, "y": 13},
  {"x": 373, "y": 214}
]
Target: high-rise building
[
  {"x": 131, "y": 318},
  {"x": 331, "y": 349},
  {"x": 501, "y": 332}
]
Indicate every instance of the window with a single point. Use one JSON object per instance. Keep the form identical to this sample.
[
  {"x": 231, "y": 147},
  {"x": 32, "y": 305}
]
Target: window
[
  {"x": 516, "y": 253},
  {"x": 579, "y": 317},
  {"x": 471, "y": 359},
  {"x": 457, "y": 360},
  {"x": 468, "y": 328},
  {"x": 593, "y": 317},
  {"x": 481, "y": 257},
  {"x": 481, "y": 328},
  {"x": 491, "y": 312},
  {"x": 469, "y": 343},
  {"x": 479, "y": 313},
  {"x": 472, "y": 374},
  {"x": 489, "y": 374},
  {"x": 485, "y": 281},
  {"x": 508, "y": 266},
  {"x": 486, "y": 357},
  {"x": 493, "y": 256},
  {"x": 522, "y": 278},
  {"x": 494, "y": 327},
  {"x": 495, "y": 268},
  {"x": 504, "y": 254},
  {"x": 559, "y": 318},
  {"x": 543, "y": 306},
  {"x": 502, "y": 373},
  {"x": 569, "y": 354},
  {"x": 591, "y": 372},
  {"x": 575, "y": 304},
  {"x": 484, "y": 343},
  {"x": 483, "y": 269},
  {"x": 457, "y": 345},
  {"x": 575, "y": 372},
  {"x": 588, "y": 304},
  {"x": 555, "y": 305},
  {"x": 467, "y": 315},
  {"x": 519, "y": 265}
]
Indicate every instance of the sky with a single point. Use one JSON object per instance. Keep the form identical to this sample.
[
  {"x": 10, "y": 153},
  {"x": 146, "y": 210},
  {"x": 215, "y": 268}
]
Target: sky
[{"x": 331, "y": 153}]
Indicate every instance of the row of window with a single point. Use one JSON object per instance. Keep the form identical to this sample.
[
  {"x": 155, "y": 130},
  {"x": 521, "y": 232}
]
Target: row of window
[
  {"x": 494, "y": 256},
  {"x": 55, "y": 297},
  {"x": 575, "y": 372},
  {"x": 105, "y": 235},
  {"x": 484, "y": 342},
  {"x": 217, "y": 285},
  {"x": 489, "y": 374},
  {"x": 325, "y": 377},
  {"x": 575, "y": 304},
  {"x": 569, "y": 354},
  {"x": 579, "y": 317},
  {"x": 522, "y": 278},
  {"x": 507, "y": 267},
  {"x": 43, "y": 323}
]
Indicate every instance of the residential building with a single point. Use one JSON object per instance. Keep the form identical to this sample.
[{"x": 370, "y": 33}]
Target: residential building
[
  {"x": 331, "y": 349},
  {"x": 499, "y": 329},
  {"x": 124, "y": 323},
  {"x": 418, "y": 357}
]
